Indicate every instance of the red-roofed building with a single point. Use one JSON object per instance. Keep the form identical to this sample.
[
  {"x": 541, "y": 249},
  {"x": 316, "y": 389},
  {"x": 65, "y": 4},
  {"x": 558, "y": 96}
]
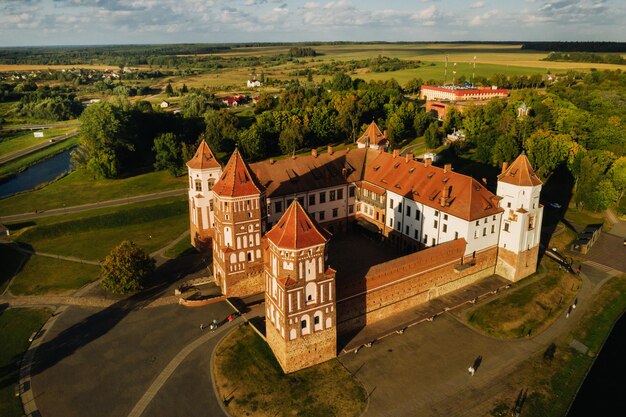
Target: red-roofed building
[
  {"x": 456, "y": 93},
  {"x": 300, "y": 306},
  {"x": 373, "y": 138}
]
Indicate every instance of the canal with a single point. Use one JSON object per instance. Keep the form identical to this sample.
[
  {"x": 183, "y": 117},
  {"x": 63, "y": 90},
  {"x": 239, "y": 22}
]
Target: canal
[{"x": 37, "y": 174}]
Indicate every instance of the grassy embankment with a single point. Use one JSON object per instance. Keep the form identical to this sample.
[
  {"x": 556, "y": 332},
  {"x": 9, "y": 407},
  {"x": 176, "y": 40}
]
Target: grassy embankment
[
  {"x": 248, "y": 376},
  {"x": 91, "y": 235},
  {"x": 87, "y": 235},
  {"x": 17, "y": 141},
  {"x": 79, "y": 188},
  {"x": 16, "y": 326}
]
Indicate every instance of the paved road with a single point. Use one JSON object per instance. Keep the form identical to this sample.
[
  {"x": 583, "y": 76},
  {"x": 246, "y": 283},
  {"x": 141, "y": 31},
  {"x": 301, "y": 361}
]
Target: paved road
[
  {"x": 91, "y": 206},
  {"x": 124, "y": 361},
  {"x": 40, "y": 126},
  {"x": 42, "y": 145}
]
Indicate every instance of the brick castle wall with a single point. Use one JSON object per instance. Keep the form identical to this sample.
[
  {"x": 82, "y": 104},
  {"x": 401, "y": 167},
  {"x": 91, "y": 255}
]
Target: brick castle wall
[
  {"x": 304, "y": 351},
  {"x": 409, "y": 289},
  {"x": 515, "y": 266},
  {"x": 245, "y": 283}
]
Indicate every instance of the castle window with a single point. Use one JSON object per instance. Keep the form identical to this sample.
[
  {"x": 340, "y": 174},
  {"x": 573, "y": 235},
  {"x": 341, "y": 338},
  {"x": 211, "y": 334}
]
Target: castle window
[
  {"x": 477, "y": 222},
  {"x": 335, "y": 212},
  {"x": 311, "y": 199},
  {"x": 321, "y": 214},
  {"x": 408, "y": 211},
  {"x": 317, "y": 321},
  {"x": 398, "y": 226},
  {"x": 435, "y": 224},
  {"x": 390, "y": 222},
  {"x": 445, "y": 228},
  {"x": 456, "y": 235},
  {"x": 249, "y": 256},
  {"x": 434, "y": 242},
  {"x": 445, "y": 217},
  {"x": 425, "y": 238},
  {"x": 493, "y": 218},
  {"x": 506, "y": 227},
  {"x": 400, "y": 208},
  {"x": 391, "y": 203},
  {"x": 322, "y": 197},
  {"x": 406, "y": 230},
  {"x": 211, "y": 183},
  {"x": 484, "y": 231},
  {"x": 198, "y": 185},
  {"x": 493, "y": 228},
  {"x": 436, "y": 212},
  {"x": 351, "y": 209},
  {"x": 331, "y": 196},
  {"x": 417, "y": 214},
  {"x": 340, "y": 194},
  {"x": 304, "y": 325},
  {"x": 508, "y": 205},
  {"x": 278, "y": 206},
  {"x": 416, "y": 234},
  {"x": 351, "y": 191}
]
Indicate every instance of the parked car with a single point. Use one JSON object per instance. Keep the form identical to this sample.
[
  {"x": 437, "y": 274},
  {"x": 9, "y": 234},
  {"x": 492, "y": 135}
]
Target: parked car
[{"x": 555, "y": 205}]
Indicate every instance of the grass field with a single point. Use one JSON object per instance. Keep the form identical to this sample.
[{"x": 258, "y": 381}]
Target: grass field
[
  {"x": 43, "y": 275},
  {"x": 93, "y": 234},
  {"x": 78, "y": 188},
  {"x": 528, "y": 309},
  {"x": 245, "y": 368},
  {"x": 17, "y": 141},
  {"x": 16, "y": 326},
  {"x": 181, "y": 248}
]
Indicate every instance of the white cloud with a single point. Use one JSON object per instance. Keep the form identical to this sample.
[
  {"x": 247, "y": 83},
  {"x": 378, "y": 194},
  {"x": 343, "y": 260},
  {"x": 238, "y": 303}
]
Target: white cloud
[{"x": 477, "y": 5}]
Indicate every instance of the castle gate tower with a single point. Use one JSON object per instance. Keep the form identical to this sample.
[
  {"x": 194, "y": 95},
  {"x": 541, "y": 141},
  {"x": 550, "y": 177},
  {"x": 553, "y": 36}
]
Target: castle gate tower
[
  {"x": 240, "y": 217},
  {"x": 299, "y": 292},
  {"x": 204, "y": 170},
  {"x": 518, "y": 246}
]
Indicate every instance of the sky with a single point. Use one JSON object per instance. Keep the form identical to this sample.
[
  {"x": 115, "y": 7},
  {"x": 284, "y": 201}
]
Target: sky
[{"x": 91, "y": 22}]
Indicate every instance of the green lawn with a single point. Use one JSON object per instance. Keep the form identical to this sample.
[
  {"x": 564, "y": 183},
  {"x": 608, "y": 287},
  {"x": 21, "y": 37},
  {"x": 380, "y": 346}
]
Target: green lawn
[
  {"x": 24, "y": 162},
  {"x": 16, "y": 326},
  {"x": 16, "y": 141},
  {"x": 181, "y": 248},
  {"x": 93, "y": 234},
  {"x": 527, "y": 309},
  {"x": 553, "y": 386},
  {"x": 43, "y": 275},
  {"x": 79, "y": 188},
  {"x": 246, "y": 368},
  {"x": 10, "y": 259}
]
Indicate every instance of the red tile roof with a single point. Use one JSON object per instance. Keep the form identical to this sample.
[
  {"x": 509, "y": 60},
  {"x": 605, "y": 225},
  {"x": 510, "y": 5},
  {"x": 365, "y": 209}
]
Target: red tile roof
[
  {"x": 520, "y": 173},
  {"x": 466, "y": 199},
  {"x": 237, "y": 180},
  {"x": 373, "y": 135},
  {"x": 468, "y": 91},
  {"x": 204, "y": 158},
  {"x": 296, "y": 230}
]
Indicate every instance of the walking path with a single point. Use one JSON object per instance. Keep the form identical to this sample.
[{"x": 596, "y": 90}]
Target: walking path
[
  {"x": 91, "y": 206},
  {"x": 43, "y": 145},
  {"x": 165, "y": 374}
]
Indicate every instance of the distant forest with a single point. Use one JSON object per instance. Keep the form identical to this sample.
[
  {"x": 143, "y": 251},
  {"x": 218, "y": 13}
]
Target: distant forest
[
  {"x": 191, "y": 54},
  {"x": 586, "y": 57},
  {"x": 576, "y": 46}
]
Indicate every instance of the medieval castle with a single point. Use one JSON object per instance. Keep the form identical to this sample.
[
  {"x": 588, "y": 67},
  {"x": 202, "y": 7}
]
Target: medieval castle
[{"x": 268, "y": 225}]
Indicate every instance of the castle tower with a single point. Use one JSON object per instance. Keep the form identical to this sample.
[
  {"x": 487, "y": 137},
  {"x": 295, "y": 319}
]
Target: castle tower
[
  {"x": 299, "y": 292},
  {"x": 240, "y": 218},
  {"x": 204, "y": 170},
  {"x": 518, "y": 246}
]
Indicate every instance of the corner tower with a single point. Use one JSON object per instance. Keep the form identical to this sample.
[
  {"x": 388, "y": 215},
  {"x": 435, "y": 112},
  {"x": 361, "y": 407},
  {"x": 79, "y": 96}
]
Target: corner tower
[
  {"x": 518, "y": 246},
  {"x": 204, "y": 170},
  {"x": 240, "y": 219},
  {"x": 299, "y": 292}
]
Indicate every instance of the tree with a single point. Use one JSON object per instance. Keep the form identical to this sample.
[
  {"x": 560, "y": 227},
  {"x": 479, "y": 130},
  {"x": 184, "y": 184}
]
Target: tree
[
  {"x": 168, "y": 153},
  {"x": 547, "y": 150},
  {"x": 421, "y": 122},
  {"x": 413, "y": 86},
  {"x": 169, "y": 90},
  {"x": 194, "y": 105},
  {"x": 348, "y": 114},
  {"x": 602, "y": 196},
  {"x": 618, "y": 177},
  {"x": 432, "y": 136},
  {"x": 221, "y": 129},
  {"x": 103, "y": 139},
  {"x": 505, "y": 149},
  {"x": 126, "y": 269},
  {"x": 292, "y": 137},
  {"x": 452, "y": 120},
  {"x": 341, "y": 82}
]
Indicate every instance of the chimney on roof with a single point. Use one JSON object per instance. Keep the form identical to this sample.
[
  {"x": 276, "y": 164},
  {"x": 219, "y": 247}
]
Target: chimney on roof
[
  {"x": 428, "y": 162},
  {"x": 344, "y": 172},
  {"x": 447, "y": 168},
  {"x": 396, "y": 152},
  {"x": 330, "y": 150},
  {"x": 505, "y": 165},
  {"x": 445, "y": 197},
  {"x": 314, "y": 153},
  {"x": 408, "y": 156}
]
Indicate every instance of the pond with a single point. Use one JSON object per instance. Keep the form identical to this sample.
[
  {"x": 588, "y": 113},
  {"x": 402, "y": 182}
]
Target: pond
[{"x": 38, "y": 174}]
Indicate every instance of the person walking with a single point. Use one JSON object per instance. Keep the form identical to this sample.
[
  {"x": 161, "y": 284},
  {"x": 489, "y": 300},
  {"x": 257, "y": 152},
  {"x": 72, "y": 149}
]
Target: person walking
[{"x": 471, "y": 370}]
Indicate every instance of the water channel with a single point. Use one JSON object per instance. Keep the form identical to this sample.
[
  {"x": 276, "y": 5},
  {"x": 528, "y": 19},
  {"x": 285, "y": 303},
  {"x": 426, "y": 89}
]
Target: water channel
[{"x": 37, "y": 174}]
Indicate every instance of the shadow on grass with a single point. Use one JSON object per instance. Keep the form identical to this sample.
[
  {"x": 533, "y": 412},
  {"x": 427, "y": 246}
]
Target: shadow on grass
[{"x": 91, "y": 328}]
